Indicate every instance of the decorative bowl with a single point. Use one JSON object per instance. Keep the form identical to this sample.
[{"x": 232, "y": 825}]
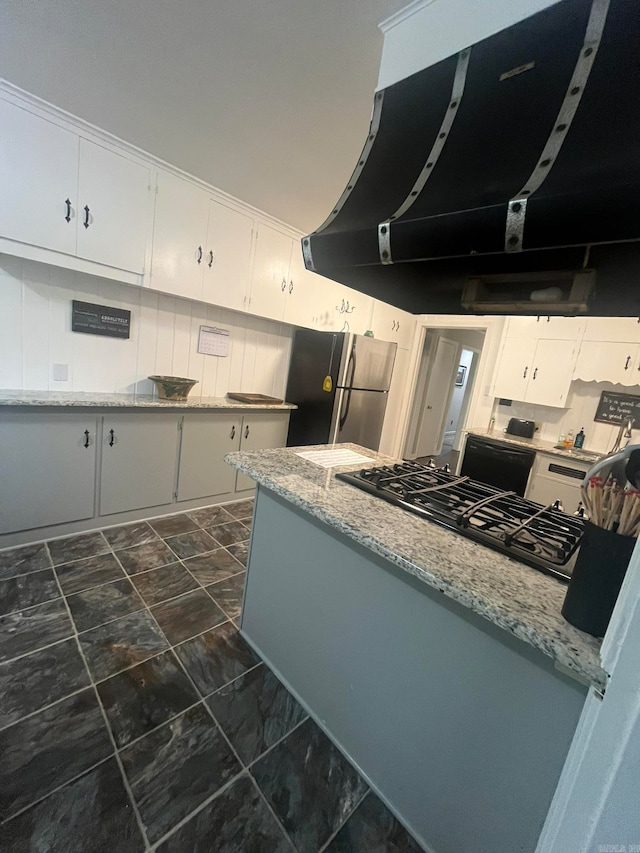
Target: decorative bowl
[{"x": 173, "y": 387}]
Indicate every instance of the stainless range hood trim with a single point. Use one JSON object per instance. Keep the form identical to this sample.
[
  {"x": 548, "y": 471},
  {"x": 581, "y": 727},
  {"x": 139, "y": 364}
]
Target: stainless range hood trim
[
  {"x": 457, "y": 90},
  {"x": 517, "y": 208}
]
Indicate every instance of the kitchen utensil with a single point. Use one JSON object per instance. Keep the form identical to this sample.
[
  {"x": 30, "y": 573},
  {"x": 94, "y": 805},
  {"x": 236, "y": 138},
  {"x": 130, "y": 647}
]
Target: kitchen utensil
[
  {"x": 612, "y": 465},
  {"x": 252, "y": 398},
  {"x": 173, "y": 387}
]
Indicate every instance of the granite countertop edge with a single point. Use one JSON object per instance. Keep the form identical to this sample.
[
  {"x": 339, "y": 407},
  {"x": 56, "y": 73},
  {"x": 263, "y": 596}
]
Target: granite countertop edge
[
  {"x": 52, "y": 399},
  {"x": 584, "y": 663}
]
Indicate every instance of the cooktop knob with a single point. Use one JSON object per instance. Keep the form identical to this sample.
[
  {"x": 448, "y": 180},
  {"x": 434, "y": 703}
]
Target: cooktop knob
[{"x": 558, "y": 505}]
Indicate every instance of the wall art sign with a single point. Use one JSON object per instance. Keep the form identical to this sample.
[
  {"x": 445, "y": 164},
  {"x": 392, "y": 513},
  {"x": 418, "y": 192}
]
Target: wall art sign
[
  {"x": 615, "y": 408},
  {"x": 100, "y": 320}
]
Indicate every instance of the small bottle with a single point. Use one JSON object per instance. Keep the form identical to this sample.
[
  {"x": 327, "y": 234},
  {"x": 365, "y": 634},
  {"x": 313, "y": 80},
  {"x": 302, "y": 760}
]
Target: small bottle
[
  {"x": 560, "y": 440},
  {"x": 579, "y": 439},
  {"x": 568, "y": 439}
]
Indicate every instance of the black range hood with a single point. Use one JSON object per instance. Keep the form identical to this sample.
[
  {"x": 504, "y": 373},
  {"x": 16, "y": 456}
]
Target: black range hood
[{"x": 516, "y": 157}]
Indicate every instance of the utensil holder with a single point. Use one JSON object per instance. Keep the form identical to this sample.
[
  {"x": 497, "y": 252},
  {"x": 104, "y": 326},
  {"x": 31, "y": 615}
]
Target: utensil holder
[{"x": 597, "y": 577}]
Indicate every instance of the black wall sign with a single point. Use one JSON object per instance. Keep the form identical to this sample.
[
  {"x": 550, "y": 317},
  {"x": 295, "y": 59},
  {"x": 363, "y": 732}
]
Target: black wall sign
[
  {"x": 100, "y": 320},
  {"x": 615, "y": 408}
]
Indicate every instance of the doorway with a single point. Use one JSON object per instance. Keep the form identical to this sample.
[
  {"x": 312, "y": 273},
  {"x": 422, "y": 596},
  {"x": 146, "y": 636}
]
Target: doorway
[{"x": 446, "y": 377}]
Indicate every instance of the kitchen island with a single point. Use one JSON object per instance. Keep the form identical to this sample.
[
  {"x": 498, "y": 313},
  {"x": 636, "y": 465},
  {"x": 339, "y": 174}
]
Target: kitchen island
[{"x": 437, "y": 666}]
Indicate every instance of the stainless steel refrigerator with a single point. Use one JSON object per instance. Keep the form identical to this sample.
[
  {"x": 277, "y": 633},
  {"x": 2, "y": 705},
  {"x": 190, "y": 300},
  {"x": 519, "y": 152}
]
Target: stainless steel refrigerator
[{"x": 340, "y": 383}]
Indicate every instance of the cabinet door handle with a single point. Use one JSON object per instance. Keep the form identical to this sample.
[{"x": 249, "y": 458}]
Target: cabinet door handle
[
  {"x": 199, "y": 258},
  {"x": 86, "y": 438},
  {"x": 291, "y": 286},
  {"x": 524, "y": 375},
  {"x": 246, "y": 431},
  {"x": 86, "y": 222},
  {"x": 68, "y": 203},
  {"x": 535, "y": 373},
  {"x": 233, "y": 432},
  {"x": 626, "y": 364},
  {"x": 210, "y": 264},
  {"x": 283, "y": 286},
  {"x": 112, "y": 438}
]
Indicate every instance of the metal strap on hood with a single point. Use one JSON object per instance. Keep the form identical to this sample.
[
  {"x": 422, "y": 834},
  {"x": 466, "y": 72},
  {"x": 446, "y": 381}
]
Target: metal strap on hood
[
  {"x": 384, "y": 228},
  {"x": 517, "y": 209}
]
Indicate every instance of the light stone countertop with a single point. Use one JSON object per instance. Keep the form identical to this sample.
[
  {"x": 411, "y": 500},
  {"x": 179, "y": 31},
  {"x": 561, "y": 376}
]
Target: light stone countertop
[
  {"x": 538, "y": 445},
  {"x": 85, "y": 399},
  {"x": 514, "y": 596}
]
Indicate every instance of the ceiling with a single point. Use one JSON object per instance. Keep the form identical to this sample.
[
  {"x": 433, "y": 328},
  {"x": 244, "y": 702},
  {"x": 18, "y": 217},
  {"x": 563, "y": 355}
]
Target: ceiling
[{"x": 270, "y": 101}]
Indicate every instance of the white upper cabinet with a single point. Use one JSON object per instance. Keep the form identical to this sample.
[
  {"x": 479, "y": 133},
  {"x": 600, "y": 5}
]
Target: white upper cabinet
[
  {"x": 512, "y": 374},
  {"x": 50, "y": 174},
  {"x": 535, "y": 371},
  {"x": 612, "y": 329},
  {"x": 270, "y": 280},
  {"x": 304, "y": 287},
  {"x": 550, "y": 328},
  {"x": 392, "y": 324},
  {"x": 179, "y": 237},
  {"x": 227, "y": 257},
  {"x": 606, "y": 361},
  {"x": 38, "y": 174},
  {"x": 113, "y": 215}
]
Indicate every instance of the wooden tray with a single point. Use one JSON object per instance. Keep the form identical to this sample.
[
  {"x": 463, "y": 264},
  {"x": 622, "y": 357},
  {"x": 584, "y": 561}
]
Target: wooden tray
[{"x": 252, "y": 398}]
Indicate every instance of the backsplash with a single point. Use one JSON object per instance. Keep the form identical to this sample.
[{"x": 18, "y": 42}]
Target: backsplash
[
  {"x": 35, "y": 307},
  {"x": 582, "y": 403}
]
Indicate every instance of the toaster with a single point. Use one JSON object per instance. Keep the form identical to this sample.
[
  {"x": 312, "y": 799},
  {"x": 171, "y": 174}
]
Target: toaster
[{"x": 524, "y": 429}]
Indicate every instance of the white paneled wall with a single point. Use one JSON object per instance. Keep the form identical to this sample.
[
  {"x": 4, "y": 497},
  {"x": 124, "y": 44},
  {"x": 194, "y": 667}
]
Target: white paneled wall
[{"x": 35, "y": 334}]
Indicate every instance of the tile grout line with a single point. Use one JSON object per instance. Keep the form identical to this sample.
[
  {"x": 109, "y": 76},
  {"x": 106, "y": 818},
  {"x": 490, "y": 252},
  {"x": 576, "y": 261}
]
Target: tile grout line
[
  {"x": 347, "y": 818},
  {"x": 105, "y": 719},
  {"x": 279, "y": 741},
  {"x": 271, "y": 811},
  {"x": 55, "y": 790}
]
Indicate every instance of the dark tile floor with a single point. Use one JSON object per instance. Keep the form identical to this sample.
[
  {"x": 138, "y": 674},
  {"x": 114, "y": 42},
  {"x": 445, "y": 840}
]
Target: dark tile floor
[{"x": 133, "y": 716}]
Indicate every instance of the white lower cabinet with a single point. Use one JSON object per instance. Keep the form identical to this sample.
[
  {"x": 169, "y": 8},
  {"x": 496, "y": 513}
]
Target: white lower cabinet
[
  {"x": 261, "y": 430},
  {"x": 206, "y": 439},
  {"x": 59, "y": 470},
  {"x": 47, "y": 469},
  {"x": 556, "y": 478},
  {"x": 139, "y": 458}
]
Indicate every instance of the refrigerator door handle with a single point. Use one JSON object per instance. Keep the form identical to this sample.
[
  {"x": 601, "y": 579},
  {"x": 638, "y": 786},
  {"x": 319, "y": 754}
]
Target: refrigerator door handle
[
  {"x": 352, "y": 362},
  {"x": 344, "y": 415}
]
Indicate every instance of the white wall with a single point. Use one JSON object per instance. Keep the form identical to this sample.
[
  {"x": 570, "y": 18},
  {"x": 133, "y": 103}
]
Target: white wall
[
  {"x": 35, "y": 334},
  {"x": 582, "y": 403},
  {"x": 430, "y": 30},
  {"x": 466, "y": 357}
]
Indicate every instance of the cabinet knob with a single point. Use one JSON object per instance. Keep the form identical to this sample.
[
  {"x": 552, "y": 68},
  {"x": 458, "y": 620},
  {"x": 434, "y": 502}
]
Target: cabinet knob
[
  {"x": 291, "y": 286},
  {"x": 112, "y": 437},
  {"x": 87, "y": 213},
  {"x": 68, "y": 203},
  {"x": 283, "y": 286},
  {"x": 524, "y": 375},
  {"x": 86, "y": 438},
  {"x": 626, "y": 364},
  {"x": 199, "y": 255},
  {"x": 535, "y": 373},
  {"x": 246, "y": 431},
  {"x": 210, "y": 264},
  {"x": 233, "y": 432}
]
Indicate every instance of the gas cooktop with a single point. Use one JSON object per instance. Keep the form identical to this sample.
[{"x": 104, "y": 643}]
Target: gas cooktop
[{"x": 543, "y": 537}]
